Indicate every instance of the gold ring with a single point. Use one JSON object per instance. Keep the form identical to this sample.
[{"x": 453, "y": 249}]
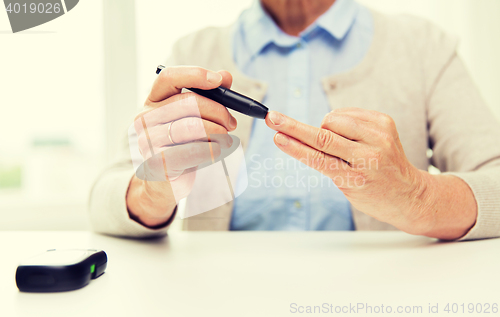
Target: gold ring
[{"x": 169, "y": 135}]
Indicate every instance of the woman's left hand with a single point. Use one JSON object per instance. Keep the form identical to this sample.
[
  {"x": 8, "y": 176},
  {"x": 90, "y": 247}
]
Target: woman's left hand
[{"x": 361, "y": 152}]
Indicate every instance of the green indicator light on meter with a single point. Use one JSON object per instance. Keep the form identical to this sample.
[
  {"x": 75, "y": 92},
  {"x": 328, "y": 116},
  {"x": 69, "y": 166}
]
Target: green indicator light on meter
[{"x": 92, "y": 268}]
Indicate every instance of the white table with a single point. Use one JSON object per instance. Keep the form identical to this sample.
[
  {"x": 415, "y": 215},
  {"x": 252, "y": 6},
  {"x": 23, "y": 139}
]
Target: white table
[{"x": 259, "y": 274}]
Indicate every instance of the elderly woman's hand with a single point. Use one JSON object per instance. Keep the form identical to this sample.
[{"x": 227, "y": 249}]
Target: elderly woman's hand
[{"x": 361, "y": 152}]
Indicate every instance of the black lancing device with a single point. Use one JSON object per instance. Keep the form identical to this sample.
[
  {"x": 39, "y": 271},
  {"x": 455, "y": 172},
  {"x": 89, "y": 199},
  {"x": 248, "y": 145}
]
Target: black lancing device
[
  {"x": 60, "y": 270},
  {"x": 231, "y": 99}
]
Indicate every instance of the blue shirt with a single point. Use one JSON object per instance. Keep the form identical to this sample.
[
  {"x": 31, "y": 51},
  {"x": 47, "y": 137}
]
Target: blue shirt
[{"x": 283, "y": 193}]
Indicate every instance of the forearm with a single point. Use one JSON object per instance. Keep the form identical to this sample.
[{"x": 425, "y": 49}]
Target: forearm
[
  {"x": 146, "y": 207},
  {"x": 447, "y": 207}
]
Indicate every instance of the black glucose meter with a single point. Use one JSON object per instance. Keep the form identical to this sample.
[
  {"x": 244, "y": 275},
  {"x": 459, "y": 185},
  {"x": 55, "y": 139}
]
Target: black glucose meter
[{"x": 60, "y": 270}]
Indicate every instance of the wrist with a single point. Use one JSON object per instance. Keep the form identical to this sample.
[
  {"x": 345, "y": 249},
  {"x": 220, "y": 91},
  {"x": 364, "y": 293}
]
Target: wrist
[
  {"x": 145, "y": 207},
  {"x": 444, "y": 207},
  {"x": 422, "y": 202}
]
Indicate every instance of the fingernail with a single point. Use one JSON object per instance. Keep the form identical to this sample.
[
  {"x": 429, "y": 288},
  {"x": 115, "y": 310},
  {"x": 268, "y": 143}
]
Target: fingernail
[
  {"x": 276, "y": 118},
  {"x": 233, "y": 123},
  {"x": 282, "y": 139},
  {"x": 214, "y": 77}
]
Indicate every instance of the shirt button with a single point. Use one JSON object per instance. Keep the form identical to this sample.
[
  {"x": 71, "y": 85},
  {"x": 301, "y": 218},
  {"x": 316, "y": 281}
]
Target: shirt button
[
  {"x": 298, "y": 45},
  {"x": 297, "y": 92},
  {"x": 297, "y": 204},
  {"x": 333, "y": 85},
  {"x": 429, "y": 153}
]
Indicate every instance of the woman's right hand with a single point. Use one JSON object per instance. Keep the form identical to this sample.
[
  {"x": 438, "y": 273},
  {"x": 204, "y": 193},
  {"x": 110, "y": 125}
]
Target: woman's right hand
[{"x": 176, "y": 133}]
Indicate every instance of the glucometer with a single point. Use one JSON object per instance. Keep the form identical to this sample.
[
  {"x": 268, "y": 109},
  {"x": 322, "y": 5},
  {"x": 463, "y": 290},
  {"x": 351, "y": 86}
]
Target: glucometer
[
  {"x": 60, "y": 270},
  {"x": 231, "y": 99}
]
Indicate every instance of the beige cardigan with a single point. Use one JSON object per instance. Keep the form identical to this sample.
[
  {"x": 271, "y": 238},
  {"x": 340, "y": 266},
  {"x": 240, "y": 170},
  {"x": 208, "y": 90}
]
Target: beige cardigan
[{"x": 411, "y": 72}]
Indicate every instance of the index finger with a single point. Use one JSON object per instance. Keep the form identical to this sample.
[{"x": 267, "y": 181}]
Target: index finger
[
  {"x": 321, "y": 139},
  {"x": 171, "y": 80}
]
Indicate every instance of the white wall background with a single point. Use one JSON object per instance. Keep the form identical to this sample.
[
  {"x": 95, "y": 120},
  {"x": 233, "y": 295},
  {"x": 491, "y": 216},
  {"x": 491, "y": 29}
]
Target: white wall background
[
  {"x": 52, "y": 90},
  {"x": 52, "y": 118}
]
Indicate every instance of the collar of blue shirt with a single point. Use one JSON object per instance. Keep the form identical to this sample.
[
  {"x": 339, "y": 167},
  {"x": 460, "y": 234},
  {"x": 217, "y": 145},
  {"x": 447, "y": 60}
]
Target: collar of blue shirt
[{"x": 260, "y": 29}]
